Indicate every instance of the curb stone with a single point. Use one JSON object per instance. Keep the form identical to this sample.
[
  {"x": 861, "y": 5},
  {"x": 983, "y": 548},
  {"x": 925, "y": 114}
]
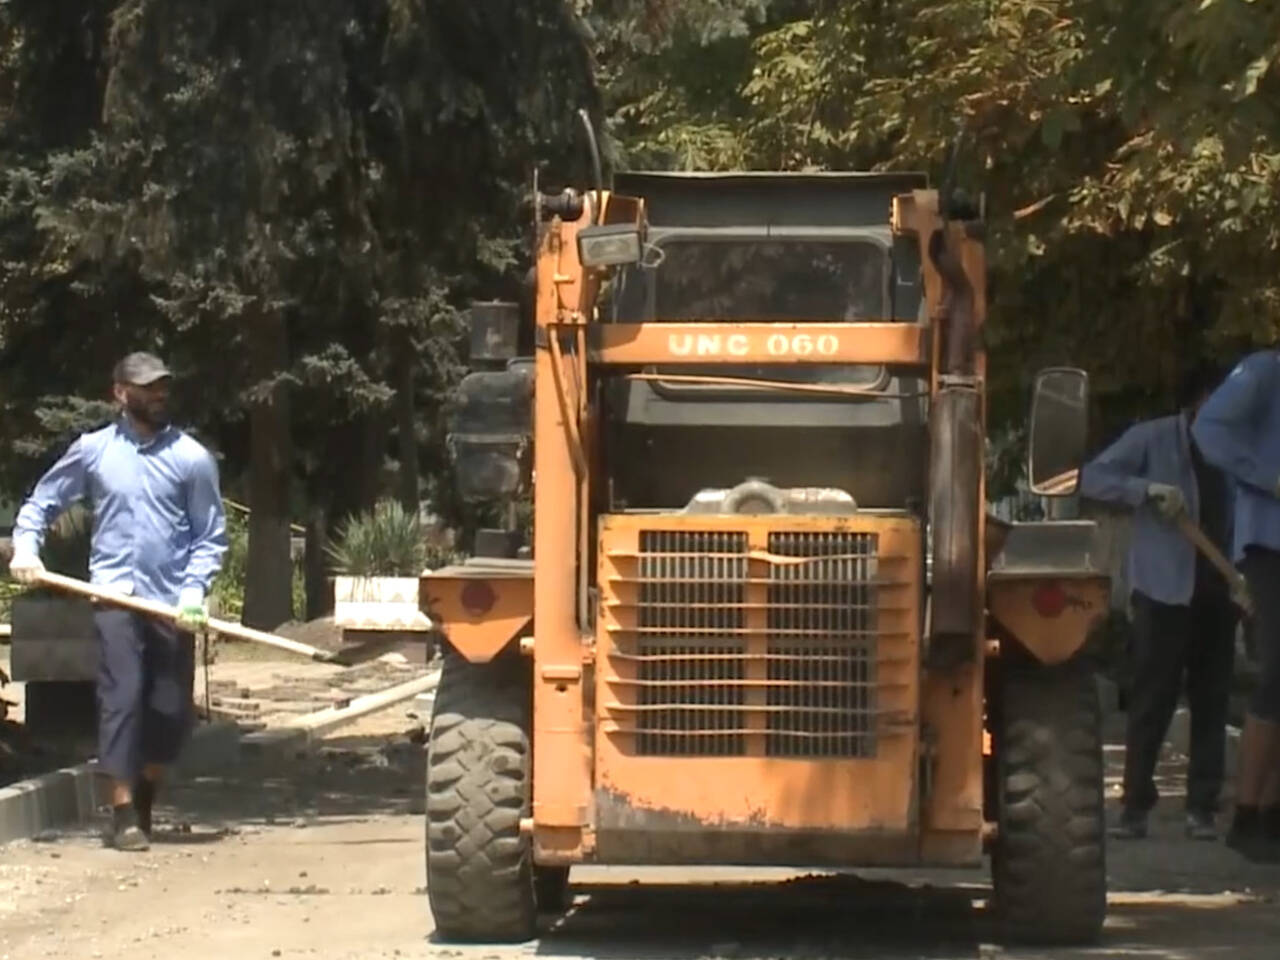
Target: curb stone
[{"x": 70, "y": 797}]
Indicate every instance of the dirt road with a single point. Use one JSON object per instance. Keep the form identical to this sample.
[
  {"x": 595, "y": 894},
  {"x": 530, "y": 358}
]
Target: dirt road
[{"x": 320, "y": 858}]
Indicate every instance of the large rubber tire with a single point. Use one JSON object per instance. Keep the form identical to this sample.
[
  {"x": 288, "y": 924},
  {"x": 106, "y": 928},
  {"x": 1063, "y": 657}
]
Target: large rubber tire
[
  {"x": 479, "y": 780},
  {"x": 1049, "y": 862}
]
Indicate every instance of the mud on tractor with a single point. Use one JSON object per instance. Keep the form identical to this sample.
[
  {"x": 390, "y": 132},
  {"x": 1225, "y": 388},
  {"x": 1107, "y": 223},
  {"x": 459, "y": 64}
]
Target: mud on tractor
[{"x": 765, "y": 617}]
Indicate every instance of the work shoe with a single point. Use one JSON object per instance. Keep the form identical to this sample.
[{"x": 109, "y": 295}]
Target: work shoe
[
  {"x": 1201, "y": 826},
  {"x": 144, "y": 796},
  {"x": 125, "y": 833},
  {"x": 1271, "y": 822},
  {"x": 1130, "y": 826},
  {"x": 1251, "y": 842}
]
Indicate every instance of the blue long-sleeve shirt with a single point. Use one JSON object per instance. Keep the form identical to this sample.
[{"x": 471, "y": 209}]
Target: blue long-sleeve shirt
[
  {"x": 1238, "y": 428},
  {"x": 1162, "y": 561},
  {"x": 158, "y": 521}
]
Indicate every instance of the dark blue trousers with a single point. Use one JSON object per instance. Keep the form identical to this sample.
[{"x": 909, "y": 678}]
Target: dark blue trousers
[
  {"x": 1177, "y": 648},
  {"x": 146, "y": 672}
]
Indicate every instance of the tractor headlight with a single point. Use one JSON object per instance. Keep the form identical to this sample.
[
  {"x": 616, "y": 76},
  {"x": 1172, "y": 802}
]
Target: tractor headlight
[{"x": 609, "y": 245}]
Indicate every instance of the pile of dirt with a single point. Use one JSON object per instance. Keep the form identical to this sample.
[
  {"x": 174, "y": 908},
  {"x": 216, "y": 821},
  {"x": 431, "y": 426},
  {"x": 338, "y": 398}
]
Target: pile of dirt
[{"x": 322, "y": 633}]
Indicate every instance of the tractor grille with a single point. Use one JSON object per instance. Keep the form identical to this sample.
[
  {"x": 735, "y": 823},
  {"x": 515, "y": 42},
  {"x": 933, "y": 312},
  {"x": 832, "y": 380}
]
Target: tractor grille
[
  {"x": 821, "y": 645},
  {"x": 692, "y": 618},
  {"x": 736, "y": 653}
]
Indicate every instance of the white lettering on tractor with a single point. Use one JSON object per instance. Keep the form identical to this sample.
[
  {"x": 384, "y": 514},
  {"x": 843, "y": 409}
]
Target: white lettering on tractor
[
  {"x": 802, "y": 345},
  {"x": 741, "y": 345},
  {"x": 708, "y": 344}
]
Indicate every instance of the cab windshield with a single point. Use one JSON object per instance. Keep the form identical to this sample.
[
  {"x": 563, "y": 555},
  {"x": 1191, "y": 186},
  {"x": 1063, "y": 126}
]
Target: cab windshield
[{"x": 801, "y": 280}]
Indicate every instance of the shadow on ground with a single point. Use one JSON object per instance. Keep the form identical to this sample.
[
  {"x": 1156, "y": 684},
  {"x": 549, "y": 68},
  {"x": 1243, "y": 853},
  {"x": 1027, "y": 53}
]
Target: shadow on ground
[
  {"x": 844, "y": 916},
  {"x": 348, "y": 778}
]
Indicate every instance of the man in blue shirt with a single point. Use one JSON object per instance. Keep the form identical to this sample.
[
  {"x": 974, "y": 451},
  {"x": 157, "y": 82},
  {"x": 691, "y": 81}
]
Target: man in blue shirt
[
  {"x": 1239, "y": 430},
  {"x": 1184, "y": 620},
  {"x": 159, "y": 533}
]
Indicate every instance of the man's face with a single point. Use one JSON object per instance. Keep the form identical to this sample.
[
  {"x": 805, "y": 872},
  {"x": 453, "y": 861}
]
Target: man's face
[{"x": 148, "y": 405}]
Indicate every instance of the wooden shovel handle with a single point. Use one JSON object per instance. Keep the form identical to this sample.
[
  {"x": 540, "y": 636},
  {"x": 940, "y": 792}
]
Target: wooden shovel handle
[
  {"x": 1239, "y": 586},
  {"x": 156, "y": 609}
]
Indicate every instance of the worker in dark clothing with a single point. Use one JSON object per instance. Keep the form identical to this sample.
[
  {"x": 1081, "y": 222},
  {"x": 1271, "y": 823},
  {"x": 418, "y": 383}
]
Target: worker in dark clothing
[
  {"x": 1183, "y": 617},
  {"x": 1239, "y": 430},
  {"x": 159, "y": 533}
]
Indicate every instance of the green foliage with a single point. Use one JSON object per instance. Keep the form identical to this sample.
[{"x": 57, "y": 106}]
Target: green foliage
[
  {"x": 226, "y": 595},
  {"x": 672, "y": 73},
  {"x": 8, "y": 590},
  {"x": 387, "y": 541},
  {"x": 289, "y": 202},
  {"x": 1128, "y": 154}
]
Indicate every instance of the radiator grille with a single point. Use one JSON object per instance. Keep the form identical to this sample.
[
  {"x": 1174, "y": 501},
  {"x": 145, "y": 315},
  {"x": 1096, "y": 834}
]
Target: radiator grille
[
  {"x": 822, "y": 643},
  {"x": 769, "y": 654},
  {"x": 691, "y": 616}
]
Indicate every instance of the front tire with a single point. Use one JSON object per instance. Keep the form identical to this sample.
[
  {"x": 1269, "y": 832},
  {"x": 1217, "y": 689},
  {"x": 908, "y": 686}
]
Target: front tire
[
  {"x": 1049, "y": 865},
  {"x": 480, "y": 874}
]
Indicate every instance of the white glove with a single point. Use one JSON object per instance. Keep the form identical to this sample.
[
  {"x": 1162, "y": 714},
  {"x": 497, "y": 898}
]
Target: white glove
[
  {"x": 1241, "y": 597},
  {"x": 26, "y": 567},
  {"x": 1167, "y": 499},
  {"x": 193, "y": 615}
]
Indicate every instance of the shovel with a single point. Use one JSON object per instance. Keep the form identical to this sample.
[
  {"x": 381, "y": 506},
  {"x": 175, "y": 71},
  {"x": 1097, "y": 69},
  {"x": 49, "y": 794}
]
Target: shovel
[
  {"x": 162, "y": 610},
  {"x": 1235, "y": 580}
]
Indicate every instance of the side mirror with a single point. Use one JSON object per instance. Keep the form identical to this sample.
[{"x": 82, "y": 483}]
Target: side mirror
[{"x": 1059, "y": 423}]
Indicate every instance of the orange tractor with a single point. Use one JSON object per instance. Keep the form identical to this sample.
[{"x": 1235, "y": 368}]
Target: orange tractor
[{"x": 764, "y": 617}]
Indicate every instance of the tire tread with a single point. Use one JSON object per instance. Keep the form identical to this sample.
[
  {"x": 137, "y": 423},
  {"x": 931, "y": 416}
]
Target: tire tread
[{"x": 479, "y": 866}]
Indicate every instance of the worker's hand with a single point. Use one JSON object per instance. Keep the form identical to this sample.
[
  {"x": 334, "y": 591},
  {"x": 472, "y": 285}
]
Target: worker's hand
[
  {"x": 1167, "y": 499},
  {"x": 193, "y": 615},
  {"x": 1241, "y": 597},
  {"x": 26, "y": 567}
]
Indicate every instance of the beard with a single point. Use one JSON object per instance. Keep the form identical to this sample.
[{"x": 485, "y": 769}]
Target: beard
[{"x": 152, "y": 413}]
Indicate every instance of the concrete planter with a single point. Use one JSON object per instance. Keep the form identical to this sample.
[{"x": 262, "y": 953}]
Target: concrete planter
[{"x": 383, "y": 604}]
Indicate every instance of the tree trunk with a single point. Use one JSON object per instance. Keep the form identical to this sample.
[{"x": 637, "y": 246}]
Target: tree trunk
[
  {"x": 375, "y": 434},
  {"x": 406, "y": 423},
  {"x": 319, "y": 596},
  {"x": 268, "y": 593}
]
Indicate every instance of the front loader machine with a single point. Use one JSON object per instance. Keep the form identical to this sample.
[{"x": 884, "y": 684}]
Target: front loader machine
[{"x": 763, "y": 618}]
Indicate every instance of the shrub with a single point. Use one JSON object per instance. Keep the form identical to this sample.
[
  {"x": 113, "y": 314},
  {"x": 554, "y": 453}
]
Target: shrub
[
  {"x": 226, "y": 596},
  {"x": 387, "y": 541}
]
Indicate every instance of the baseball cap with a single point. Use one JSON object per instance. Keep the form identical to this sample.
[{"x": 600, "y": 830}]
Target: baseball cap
[{"x": 140, "y": 369}]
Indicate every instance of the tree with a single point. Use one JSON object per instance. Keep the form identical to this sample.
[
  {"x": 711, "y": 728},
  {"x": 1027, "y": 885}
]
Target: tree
[
  {"x": 1126, "y": 151},
  {"x": 294, "y": 199}
]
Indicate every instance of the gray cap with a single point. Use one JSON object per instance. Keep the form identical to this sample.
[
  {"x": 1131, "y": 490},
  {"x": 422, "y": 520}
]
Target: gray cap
[{"x": 140, "y": 369}]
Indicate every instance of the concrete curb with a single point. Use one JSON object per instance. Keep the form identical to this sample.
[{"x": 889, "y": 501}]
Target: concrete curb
[
  {"x": 63, "y": 798},
  {"x": 307, "y": 731},
  {"x": 70, "y": 797},
  {"x": 275, "y": 740}
]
